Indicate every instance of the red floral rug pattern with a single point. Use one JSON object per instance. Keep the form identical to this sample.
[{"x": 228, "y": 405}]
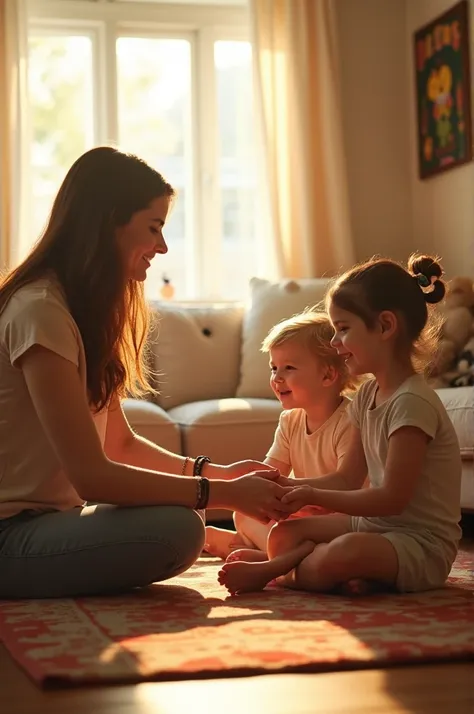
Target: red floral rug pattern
[{"x": 188, "y": 628}]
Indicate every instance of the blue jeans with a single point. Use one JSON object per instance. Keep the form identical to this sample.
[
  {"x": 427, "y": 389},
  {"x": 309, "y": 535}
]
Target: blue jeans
[{"x": 95, "y": 550}]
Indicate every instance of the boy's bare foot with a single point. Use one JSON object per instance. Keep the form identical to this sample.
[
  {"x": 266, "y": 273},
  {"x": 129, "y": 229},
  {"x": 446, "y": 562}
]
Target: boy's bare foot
[
  {"x": 221, "y": 542},
  {"x": 249, "y": 555}
]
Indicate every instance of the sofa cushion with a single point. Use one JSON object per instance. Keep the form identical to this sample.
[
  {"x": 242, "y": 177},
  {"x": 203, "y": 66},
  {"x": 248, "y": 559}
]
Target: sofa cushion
[
  {"x": 196, "y": 352},
  {"x": 228, "y": 430},
  {"x": 153, "y": 423},
  {"x": 459, "y": 403},
  {"x": 270, "y": 303}
]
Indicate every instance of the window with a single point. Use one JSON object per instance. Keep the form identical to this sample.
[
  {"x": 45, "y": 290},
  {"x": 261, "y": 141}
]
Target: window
[
  {"x": 237, "y": 184},
  {"x": 60, "y": 89},
  {"x": 155, "y": 121},
  {"x": 174, "y": 85}
]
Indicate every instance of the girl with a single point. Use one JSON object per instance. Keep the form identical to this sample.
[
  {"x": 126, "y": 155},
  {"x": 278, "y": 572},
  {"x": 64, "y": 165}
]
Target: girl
[
  {"x": 308, "y": 377},
  {"x": 403, "y": 531},
  {"x": 73, "y": 325}
]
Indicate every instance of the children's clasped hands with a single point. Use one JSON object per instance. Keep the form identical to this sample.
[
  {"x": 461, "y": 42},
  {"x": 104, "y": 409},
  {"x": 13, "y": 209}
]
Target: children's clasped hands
[
  {"x": 298, "y": 497},
  {"x": 267, "y": 495}
]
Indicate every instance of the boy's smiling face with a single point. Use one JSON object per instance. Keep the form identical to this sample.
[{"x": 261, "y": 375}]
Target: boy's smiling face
[{"x": 298, "y": 377}]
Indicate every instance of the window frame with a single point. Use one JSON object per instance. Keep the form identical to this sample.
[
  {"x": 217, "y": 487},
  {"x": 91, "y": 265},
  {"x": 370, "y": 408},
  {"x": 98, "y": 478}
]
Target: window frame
[{"x": 201, "y": 25}]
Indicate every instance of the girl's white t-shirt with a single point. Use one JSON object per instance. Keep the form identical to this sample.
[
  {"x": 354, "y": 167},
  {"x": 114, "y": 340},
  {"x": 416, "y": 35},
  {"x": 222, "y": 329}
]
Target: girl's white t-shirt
[
  {"x": 31, "y": 477},
  {"x": 434, "y": 511}
]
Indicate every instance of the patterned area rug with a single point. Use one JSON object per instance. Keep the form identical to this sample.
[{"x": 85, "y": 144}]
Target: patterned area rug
[{"x": 188, "y": 628}]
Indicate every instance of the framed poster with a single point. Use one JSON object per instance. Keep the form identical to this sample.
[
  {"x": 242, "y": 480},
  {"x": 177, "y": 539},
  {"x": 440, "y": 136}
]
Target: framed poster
[{"x": 442, "y": 81}]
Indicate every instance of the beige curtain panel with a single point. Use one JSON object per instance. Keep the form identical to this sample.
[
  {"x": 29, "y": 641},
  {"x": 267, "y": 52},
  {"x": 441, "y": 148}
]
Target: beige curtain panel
[
  {"x": 14, "y": 164},
  {"x": 298, "y": 99}
]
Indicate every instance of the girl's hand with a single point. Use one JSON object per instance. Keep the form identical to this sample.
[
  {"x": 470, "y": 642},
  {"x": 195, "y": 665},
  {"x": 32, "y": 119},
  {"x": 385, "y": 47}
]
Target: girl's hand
[
  {"x": 299, "y": 497},
  {"x": 259, "y": 496},
  {"x": 241, "y": 468}
]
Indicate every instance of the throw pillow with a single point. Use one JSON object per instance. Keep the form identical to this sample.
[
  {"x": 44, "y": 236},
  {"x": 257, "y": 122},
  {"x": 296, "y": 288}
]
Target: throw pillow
[
  {"x": 196, "y": 352},
  {"x": 270, "y": 303}
]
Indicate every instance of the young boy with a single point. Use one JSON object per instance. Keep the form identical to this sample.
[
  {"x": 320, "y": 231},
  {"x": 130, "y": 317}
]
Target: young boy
[{"x": 309, "y": 378}]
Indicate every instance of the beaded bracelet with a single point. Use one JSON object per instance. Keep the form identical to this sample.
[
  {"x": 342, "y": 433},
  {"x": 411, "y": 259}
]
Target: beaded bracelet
[
  {"x": 202, "y": 493},
  {"x": 199, "y": 464}
]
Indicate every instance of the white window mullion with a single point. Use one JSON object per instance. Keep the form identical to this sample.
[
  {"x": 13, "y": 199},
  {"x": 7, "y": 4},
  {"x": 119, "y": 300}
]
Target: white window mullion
[
  {"x": 208, "y": 194},
  {"x": 107, "y": 85},
  {"x": 193, "y": 215}
]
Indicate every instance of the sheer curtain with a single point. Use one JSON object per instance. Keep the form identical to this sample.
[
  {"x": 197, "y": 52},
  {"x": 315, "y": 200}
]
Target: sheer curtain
[
  {"x": 297, "y": 87},
  {"x": 14, "y": 162}
]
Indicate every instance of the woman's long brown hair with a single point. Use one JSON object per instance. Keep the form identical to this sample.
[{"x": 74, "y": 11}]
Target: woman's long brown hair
[{"x": 101, "y": 191}]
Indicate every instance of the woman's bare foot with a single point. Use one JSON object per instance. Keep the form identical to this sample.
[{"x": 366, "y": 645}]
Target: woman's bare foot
[
  {"x": 221, "y": 542},
  {"x": 249, "y": 555}
]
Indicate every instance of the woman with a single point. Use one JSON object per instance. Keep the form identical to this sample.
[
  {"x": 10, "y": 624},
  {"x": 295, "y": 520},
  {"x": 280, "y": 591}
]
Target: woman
[{"x": 73, "y": 328}]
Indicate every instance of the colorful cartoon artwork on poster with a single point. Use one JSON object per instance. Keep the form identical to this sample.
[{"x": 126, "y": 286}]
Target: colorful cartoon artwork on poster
[{"x": 443, "y": 91}]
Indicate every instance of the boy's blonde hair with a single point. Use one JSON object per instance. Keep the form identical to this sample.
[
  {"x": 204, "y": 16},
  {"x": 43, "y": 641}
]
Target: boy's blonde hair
[{"x": 313, "y": 329}]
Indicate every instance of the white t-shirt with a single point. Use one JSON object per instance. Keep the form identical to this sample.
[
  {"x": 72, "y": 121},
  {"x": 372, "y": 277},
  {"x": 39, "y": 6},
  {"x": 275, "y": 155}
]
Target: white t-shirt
[
  {"x": 311, "y": 455},
  {"x": 30, "y": 473},
  {"x": 434, "y": 512}
]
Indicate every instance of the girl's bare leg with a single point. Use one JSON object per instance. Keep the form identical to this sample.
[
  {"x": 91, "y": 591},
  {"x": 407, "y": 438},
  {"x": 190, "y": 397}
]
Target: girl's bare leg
[
  {"x": 240, "y": 577},
  {"x": 296, "y": 539},
  {"x": 248, "y": 555},
  {"x": 350, "y": 560}
]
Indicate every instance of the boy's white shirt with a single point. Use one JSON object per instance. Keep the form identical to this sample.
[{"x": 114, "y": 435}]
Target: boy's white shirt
[{"x": 316, "y": 454}]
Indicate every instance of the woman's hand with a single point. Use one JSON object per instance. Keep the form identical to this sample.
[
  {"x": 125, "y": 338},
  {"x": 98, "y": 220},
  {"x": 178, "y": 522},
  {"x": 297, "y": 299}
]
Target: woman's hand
[
  {"x": 259, "y": 496},
  {"x": 241, "y": 468},
  {"x": 287, "y": 482},
  {"x": 299, "y": 497}
]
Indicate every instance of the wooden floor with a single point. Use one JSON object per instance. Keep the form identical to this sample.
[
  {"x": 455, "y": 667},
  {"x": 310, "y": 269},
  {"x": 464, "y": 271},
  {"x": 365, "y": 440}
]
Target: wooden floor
[
  {"x": 431, "y": 689},
  {"x": 436, "y": 689}
]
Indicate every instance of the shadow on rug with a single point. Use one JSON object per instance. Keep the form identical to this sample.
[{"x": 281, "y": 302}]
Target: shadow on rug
[{"x": 188, "y": 628}]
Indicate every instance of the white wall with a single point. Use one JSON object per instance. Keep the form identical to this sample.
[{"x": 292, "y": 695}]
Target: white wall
[
  {"x": 373, "y": 56},
  {"x": 442, "y": 206},
  {"x": 393, "y": 211}
]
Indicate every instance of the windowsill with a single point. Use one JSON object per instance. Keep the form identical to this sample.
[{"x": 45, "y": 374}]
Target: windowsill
[{"x": 203, "y": 302}]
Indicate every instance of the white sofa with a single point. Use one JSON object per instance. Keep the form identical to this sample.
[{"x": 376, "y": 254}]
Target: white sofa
[
  {"x": 459, "y": 403},
  {"x": 215, "y": 397}
]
